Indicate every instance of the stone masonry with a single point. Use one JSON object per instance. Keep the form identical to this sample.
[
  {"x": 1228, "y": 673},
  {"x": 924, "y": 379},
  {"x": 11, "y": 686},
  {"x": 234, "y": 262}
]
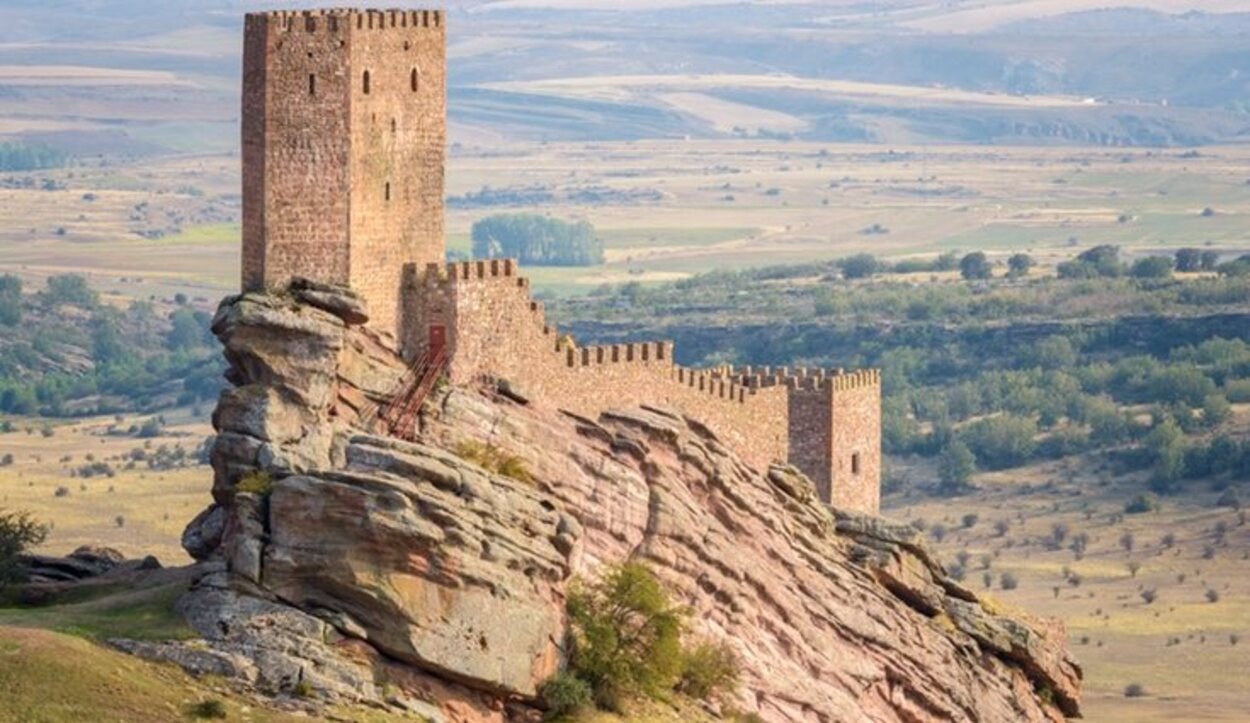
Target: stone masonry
[
  {"x": 344, "y": 139},
  {"x": 343, "y": 155}
]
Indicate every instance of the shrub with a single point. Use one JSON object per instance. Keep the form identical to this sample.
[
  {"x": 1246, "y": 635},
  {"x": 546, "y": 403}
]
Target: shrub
[
  {"x": 563, "y": 695},
  {"x": 1152, "y": 267},
  {"x": 211, "y": 709},
  {"x": 1019, "y": 265},
  {"x": 1140, "y": 504},
  {"x": 1134, "y": 690},
  {"x": 1212, "y": 595},
  {"x": 493, "y": 459},
  {"x": 1008, "y": 581},
  {"x": 625, "y": 635},
  {"x": 709, "y": 669},
  {"x": 1149, "y": 595},
  {"x": 970, "y": 520},
  {"x": 257, "y": 483},
  {"x": 859, "y": 266}
]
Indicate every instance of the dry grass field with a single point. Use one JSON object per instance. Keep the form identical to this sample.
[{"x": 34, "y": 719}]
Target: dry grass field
[
  {"x": 1187, "y": 652},
  {"x": 138, "y": 511}
]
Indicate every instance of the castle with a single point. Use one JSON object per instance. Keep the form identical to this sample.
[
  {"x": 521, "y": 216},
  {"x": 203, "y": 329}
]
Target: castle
[{"x": 344, "y": 138}]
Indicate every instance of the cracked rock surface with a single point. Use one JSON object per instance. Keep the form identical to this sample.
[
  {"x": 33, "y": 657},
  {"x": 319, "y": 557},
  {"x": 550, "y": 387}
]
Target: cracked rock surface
[{"x": 362, "y": 553}]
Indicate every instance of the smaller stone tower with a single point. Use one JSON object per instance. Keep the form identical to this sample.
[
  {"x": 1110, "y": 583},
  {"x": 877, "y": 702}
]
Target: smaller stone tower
[{"x": 344, "y": 142}]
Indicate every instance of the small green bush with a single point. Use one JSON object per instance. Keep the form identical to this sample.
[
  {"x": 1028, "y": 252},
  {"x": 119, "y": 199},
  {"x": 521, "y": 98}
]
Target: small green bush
[
  {"x": 709, "y": 669},
  {"x": 211, "y": 709},
  {"x": 564, "y": 695},
  {"x": 1141, "y": 504},
  {"x": 257, "y": 483},
  {"x": 493, "y": 459}
]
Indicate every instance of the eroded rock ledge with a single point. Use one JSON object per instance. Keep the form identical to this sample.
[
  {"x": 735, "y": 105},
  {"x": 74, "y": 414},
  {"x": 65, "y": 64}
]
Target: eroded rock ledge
[{"x": 373, "y": 569}]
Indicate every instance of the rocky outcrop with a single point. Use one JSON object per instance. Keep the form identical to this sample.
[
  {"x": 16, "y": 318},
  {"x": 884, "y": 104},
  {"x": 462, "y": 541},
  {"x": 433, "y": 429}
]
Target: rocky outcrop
[
  {"x": 382, "y": 561},
  {"x": 87, "y": 562}
]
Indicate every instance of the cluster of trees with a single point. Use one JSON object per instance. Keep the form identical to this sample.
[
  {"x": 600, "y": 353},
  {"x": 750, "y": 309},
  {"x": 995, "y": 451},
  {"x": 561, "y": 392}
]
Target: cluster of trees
[
  {"x": 1061, "y": 400},
  {"x": 537, "y": 240},
  {"x": 137, "y": 356},
  {"x": 1104, "y": 262},
  {"x": 23, "y": 157}
]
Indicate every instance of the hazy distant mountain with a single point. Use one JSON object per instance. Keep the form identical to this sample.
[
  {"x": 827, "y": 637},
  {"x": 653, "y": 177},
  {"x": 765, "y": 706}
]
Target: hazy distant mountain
[{"x": 890, "y": 72}]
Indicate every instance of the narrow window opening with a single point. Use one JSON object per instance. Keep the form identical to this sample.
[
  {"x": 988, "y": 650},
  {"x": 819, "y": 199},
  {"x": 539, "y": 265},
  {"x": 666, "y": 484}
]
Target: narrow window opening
[
  {"x": 855, "y": 463},
  {"x": 312, "y": 84},
  {"x": 366, "y": 82},
  {"x": 415, "y": 80},
  {"x": 388, "y": 191}
]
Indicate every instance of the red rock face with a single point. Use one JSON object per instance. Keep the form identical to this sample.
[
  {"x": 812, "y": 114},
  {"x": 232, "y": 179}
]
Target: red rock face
[
  {"x": 459, "y": 574},
  {"x": 762, "y": 563}
]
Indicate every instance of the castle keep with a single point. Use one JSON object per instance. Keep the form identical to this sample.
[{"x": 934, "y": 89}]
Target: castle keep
[{"x": 344, "y": 136}]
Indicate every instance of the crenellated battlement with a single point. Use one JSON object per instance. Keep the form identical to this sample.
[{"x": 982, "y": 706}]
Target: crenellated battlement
[
  {"x": 335, "y": 20},
  {"x": 457, "y": 272},
  {"x": 816, "y": 378}
]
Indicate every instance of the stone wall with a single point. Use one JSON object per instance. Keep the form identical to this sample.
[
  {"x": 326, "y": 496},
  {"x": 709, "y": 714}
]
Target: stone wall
[
  {"x": 343, "y": 183},
  {"x": 826, "y": 424},
  {"x": 495, "y": 329},
  {"x": 398, "y": 140},
  {"x": 856, "y": 442}
]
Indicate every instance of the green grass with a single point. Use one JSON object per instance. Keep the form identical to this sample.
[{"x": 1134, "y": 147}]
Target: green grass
[
  {"x": 640, "y": 238},
  {"x": 47, "y": 677},
  {"x": 212, "y": 233},
  {"x": 146, "y": 613}
]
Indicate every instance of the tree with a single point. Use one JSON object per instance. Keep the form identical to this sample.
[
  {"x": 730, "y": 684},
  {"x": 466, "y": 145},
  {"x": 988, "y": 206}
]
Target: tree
[
  {"x": 1188, "y": 259},
  {"x": 1019, "y": 265},
  {"x": 1209, "y": 260},
  {"x": 18, "y": 533},
  {"x": 975, "y": 266},
  {"x": 10, "y": 300},
  {"x": 1101, "y": 260},
  {"x": 1166, "y": 446},
  {"x": 955, "y": 467},
  {"x": 189, "y": 329},
  {"x": 1055, "y": 352},
  {"x": 859, "y": 266},
  {"x": 538, "y": 240},
  {"x": 1001, "y": 442},
  {"x": 1152, "y": 267},
  {"x": 625, "y": 635},
  {"x": 70, "y": 289}
]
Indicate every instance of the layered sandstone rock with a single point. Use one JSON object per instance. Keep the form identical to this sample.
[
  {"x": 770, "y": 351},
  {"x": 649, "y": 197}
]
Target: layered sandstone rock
[{"x": 407, "y": 559}]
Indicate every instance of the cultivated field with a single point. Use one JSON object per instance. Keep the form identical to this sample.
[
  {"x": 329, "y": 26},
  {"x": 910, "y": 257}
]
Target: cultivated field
[{"x": 669, "y": 208}]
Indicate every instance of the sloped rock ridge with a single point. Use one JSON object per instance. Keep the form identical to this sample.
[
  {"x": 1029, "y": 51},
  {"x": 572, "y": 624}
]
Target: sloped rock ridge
[{"x": 366, "y": 568}]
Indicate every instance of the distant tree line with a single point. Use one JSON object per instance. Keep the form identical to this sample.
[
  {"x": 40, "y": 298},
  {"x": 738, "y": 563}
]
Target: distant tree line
[
  {"x": 1098, "y": 262},
  {"x": 537, "y": 240},
  {"x": 22, "y": 157}
]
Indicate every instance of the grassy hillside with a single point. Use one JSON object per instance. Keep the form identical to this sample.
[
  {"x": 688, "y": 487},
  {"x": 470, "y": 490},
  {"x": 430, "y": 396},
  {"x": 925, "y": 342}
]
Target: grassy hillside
[{"x": 57, "y": 678}]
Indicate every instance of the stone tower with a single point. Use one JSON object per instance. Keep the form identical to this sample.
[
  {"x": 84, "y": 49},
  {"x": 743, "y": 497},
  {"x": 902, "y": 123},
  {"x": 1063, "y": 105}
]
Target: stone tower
[{"x": 344, "y": 142}]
